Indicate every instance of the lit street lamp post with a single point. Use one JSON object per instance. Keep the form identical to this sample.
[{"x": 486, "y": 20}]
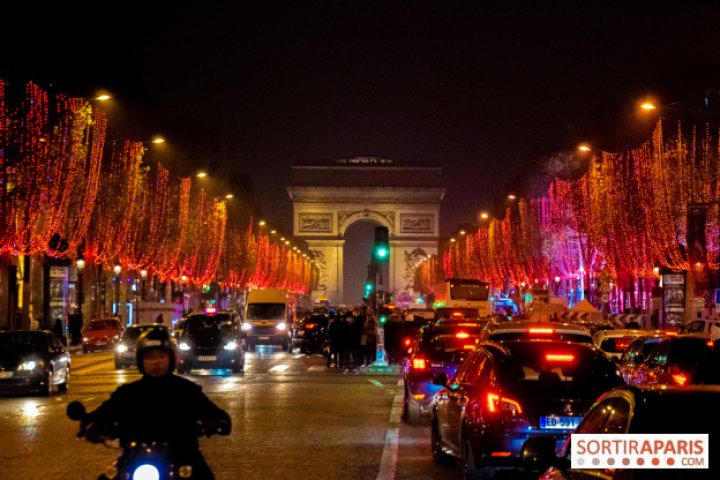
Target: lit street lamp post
[{"x": 117, "y": 269}]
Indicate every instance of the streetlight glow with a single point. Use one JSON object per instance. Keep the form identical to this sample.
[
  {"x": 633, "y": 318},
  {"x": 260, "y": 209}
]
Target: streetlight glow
[
  {"x": 583, "y": 147},
  {"x": 648, "y": 106},
  {"x": 261, "y": 223},
  {"x": 117, "y": 269},
  {"x": 158, "y": 139},
  {"x": 512, "y": 197},
  {"x": 229, "y": 196},
  {"x": 80, "y": 265},
  {"x": 103, "y": 97},
  {"x": 201, "y": 174},
  {"x": 484, "y": 215}
]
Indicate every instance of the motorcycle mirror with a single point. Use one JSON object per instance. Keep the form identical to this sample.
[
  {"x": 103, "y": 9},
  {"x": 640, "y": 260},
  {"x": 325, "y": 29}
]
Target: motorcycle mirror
[{"x": 76, "y": 410}]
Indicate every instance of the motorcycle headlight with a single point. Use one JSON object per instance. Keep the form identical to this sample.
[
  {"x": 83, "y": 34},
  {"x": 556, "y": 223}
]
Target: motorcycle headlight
[
  {"x": 185, "y": 471},
  {"x": 246, "y": 326},
  {"x": 184, "y": 346},
  {"x": 29, "y": 365},
  {"x": 230, "y": 346},
  {"x": 122, "y": 348},
  {"x": 146, "y": 472},
  {"x": 281, "y": 326}
]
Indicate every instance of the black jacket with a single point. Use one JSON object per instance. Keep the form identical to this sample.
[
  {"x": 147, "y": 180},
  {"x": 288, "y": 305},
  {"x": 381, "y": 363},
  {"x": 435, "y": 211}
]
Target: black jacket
[{"x": 164, "y": 409}]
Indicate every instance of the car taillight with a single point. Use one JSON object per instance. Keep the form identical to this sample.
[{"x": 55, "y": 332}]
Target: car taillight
[
  {"x": 457, "y": 314},
  {"x": 622, "y": 343},
  {"x": 310, "y": 326},
  {"x": 419, "y": 363},
  {"x": 462, "y": 335},
  {"x": 541, "y": 330},
  {"x": 679, "y": 378},
  {"x": 468, "y": 347},
  {"x": 407, "y": 341},
  {"x": 497, "y": 403},
  {"x": 559, "y": 357}
]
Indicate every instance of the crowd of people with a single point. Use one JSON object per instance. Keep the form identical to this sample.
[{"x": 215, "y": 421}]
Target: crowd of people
[{"x": 352, "y": 338}]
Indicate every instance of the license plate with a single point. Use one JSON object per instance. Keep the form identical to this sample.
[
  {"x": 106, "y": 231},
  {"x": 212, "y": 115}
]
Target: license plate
[
  {"x": 207, "y": 358},
  {"x": 559, "y": 422},
  {"x": 6, "y": 374},
  {"x": 263, "y": 338}
]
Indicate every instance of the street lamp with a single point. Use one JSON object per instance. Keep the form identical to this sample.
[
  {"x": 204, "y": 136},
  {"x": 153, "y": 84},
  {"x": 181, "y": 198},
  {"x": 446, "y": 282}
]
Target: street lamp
[
  {"x": 117, "y": 269},
  {"x": 80, "y": 267}
]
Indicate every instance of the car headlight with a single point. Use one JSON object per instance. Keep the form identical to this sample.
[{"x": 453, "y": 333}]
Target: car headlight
[
  {"x": 146, "y": 472},
  {"x": 230, "y": 346},
  {"x": 122, "y": 348},
  {"x": 86, "y": 339},
  {"x": 281, "y": 326},
  {"x": 246, "y": 326},
  {"x": 29, "y": 365},
  {"x": 184, "y": 346}
]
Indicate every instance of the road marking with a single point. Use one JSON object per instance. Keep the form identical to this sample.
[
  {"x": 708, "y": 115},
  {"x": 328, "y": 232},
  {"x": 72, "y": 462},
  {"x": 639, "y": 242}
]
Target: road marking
[
  {"x": 317, "y": 368},
  {"x": 388, "y": 463},
  {"x": 376, "y": 383},
  {"x": 279, "y": 368}
]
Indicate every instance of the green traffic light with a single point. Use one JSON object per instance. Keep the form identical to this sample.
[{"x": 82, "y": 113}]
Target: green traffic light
[
  {"x": 382, "y": 252},
  {"x": 382, "y": 319}
]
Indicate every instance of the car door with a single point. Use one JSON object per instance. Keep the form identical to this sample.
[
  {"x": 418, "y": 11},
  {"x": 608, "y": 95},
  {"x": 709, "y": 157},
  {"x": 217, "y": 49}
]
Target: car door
[
  {"x": 59, "y": 358},
  {"x": 460, "y": 397}
]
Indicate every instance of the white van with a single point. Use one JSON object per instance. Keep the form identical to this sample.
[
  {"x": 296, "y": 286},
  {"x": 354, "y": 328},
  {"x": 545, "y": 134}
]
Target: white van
[{"x": 268, "y": 316}]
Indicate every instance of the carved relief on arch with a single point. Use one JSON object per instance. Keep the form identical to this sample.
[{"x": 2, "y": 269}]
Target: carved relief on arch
[{"x": 386, "y": 218}]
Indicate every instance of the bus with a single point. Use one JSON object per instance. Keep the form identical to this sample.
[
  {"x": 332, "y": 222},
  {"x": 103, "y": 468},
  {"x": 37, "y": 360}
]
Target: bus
[{"x": 463, "y": 293}]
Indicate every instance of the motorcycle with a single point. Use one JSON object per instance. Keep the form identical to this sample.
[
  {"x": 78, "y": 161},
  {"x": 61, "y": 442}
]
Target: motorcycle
[{"x": 140, "y": 460}]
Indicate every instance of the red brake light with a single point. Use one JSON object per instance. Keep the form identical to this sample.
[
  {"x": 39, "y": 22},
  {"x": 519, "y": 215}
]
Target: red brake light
[
  {"x": 622, "y": 343},
  {"x": 710, "y": 343},
  {"x": 210, "y": 310},
  {"x": 310, "y": 326},
  {"x": 419, "y": 363},
  {"x": 407, "y": 341},
  {"x": 497, "y": 403},
  {"x": 671, "y": 333},
  {"x": 468, "y": 347},
  {"x": 679, "y": 378},
  {"x": 542, "y": 330},
  {"x": 462, "y": 335},
  {"x": 559, "y": 357},
  {"x": 457, "y": 314}
]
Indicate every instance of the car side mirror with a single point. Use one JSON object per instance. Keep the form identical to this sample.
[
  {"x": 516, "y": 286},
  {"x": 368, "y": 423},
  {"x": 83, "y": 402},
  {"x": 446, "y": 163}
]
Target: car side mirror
[
  {"x": 440, "y": 379},
  {"x": 539, "y": 453}
]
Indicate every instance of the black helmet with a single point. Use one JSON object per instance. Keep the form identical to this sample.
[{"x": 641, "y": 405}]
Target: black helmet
[{"x": 154, "y": 338}]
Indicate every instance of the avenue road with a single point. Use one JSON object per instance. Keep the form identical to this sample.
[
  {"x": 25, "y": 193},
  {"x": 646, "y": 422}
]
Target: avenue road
[{"x": 292, "y": 418}]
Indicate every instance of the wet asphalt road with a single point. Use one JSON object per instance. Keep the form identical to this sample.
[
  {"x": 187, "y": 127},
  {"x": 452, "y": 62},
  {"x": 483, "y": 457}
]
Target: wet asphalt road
[{"x": 292, "y": 419}]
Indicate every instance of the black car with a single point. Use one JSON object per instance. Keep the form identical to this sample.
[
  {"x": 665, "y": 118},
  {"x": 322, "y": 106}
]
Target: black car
[
  {"x": 211, "y": 341},
  {"x": 125, "y": 349},
  {"x": 33, "y": 360},
  {"x": 505, "y": 394},
  {"x": 641, "y": 410},
  {"x": 310, "y": 334}
]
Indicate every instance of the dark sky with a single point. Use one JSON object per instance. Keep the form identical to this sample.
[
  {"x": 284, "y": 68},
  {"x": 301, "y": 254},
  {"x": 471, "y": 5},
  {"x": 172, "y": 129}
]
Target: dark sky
[{"x": 477, "y": 89}]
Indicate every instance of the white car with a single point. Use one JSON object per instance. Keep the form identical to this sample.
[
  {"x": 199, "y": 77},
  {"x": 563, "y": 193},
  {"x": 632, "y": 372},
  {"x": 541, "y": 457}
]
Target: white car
[{"x": 615, "y": 342}]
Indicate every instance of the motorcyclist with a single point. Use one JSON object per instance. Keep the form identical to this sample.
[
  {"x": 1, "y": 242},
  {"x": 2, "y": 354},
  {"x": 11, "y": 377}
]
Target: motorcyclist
[{"x": 160, "y": 407}]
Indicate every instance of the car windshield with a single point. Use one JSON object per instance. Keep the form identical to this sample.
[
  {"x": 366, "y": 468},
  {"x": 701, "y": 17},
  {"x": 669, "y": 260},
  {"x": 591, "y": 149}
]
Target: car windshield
[
  {"x": 209, "y": 327},
  {"x": 10, "y": 343},
  {"x": 538, "y": 366},
  {"x": 442, "y": 344},
  {"x": 132, "y": 334},
  {"x": 266, "y": 311},
  {"x": 104, "y": 325}
]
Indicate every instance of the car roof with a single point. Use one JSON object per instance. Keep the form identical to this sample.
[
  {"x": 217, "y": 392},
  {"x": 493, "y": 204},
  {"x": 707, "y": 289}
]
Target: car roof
[{"x": 506, "y": 348}]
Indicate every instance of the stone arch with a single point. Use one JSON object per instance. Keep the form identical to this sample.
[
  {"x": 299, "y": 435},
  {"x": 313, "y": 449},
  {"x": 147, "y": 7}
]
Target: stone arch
[{"x": 344, "y": 222}]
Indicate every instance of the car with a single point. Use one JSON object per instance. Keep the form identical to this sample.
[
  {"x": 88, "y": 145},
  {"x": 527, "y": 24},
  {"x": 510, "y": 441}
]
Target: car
[
  {"x": 672, "y": 360},
  {"x": 639, "y": 410},
  {"x": 638, "y": 351},
  {"x": 125, "y": 349},
  {"x": 211, "y": 341},
  {"x": 437, "y": 348},
  {"x": 33, "y": 360},
  {"x": 426, "y": 313},
  {"x": 504, "y": 394},
  {"x": 615, "y": 342},
  {"x": 309, "y": 334},
  {"x": 178, "y": 327},
  {"x": 101, "y": 333},
  {"x": 525, "y": 330},
  {"x": 698, "y": 326}
]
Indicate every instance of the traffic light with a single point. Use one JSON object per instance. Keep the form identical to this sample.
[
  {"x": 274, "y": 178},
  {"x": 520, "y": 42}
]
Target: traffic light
[
  {"x": 382, "y": 319},
  {"x": 381, "y": 251}
]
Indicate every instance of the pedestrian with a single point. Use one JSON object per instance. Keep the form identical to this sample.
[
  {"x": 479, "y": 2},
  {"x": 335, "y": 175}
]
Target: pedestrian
[
  {"x": 160, "y": 319},
  {"x": 351, "y": 343},
  {"x": 369, "y": 339},
  {"x": 333, "y": 341},
  {"x": 58, "y": 330},
  {"x": 75, "y": 323}
]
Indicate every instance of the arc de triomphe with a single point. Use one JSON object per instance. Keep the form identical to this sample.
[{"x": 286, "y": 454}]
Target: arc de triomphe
[{"x": 328, "y": 198}]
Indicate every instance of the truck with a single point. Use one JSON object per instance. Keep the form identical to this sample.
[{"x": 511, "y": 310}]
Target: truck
[
  {"x": 463, "y": 293},
  {"x": 269, "y": 313}
]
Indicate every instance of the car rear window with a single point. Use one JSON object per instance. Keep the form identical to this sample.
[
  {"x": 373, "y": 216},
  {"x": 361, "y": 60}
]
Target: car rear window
[
  {"x": 442, "y": 346},
  {"x": 501, "y": 336},
  {"x": 555, "y": 364},
  {"x": 616, "y": 345}
]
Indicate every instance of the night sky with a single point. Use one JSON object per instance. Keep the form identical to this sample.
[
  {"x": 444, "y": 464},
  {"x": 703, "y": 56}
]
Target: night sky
[{"x": 480, "y": 90}]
